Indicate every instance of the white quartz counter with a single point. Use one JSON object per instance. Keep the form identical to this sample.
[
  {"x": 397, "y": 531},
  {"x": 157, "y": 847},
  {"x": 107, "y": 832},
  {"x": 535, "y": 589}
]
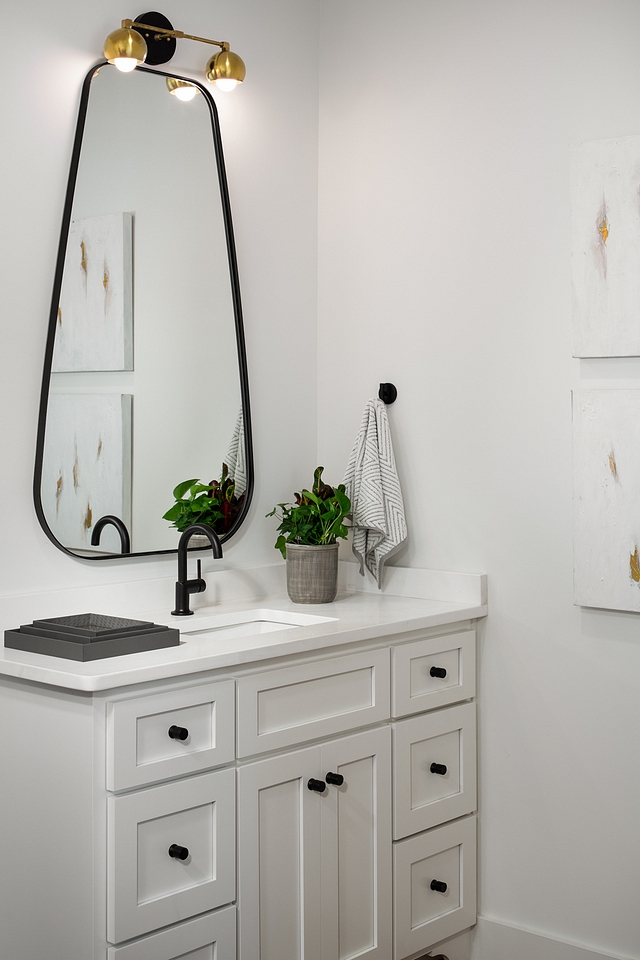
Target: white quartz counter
[{"x": 354, "y": 616}]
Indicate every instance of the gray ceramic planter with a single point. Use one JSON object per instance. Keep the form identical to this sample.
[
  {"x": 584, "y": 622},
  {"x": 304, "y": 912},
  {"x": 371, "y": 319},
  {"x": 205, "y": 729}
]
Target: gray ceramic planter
[{"x": 312, "y": 573}]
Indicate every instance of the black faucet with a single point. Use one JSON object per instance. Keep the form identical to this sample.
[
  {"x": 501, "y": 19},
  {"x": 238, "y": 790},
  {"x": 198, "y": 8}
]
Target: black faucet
[
  {"x": 183, "y": 586},
  {"x": 125, "y": 542}
]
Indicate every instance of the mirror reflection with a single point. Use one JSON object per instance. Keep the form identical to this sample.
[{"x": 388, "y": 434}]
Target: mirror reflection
[{"x": 145, "y": 406}]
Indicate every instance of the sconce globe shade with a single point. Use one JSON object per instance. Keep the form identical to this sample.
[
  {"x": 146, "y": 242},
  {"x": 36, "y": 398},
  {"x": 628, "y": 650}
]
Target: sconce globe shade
[
  {"x": 226, "y": 69},
  {"x": 125, "y": 49},
  {"x": 181, "y": 89}
]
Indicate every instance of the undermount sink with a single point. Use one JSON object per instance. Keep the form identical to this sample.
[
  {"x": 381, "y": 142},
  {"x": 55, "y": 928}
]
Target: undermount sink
[{"x": 246, "y": 623}]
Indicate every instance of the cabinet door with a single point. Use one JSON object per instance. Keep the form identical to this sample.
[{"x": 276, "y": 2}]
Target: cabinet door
[
  {"x": 278, "y": 709},
  {"x": 279, "y": 858},
  {"x": 434, "y": 886},
  {"x": 434, "y": 769},
  {"x": 356, "y": 847},
  {"x": 171, "y": 853},
  {"x": 211, "y": 937}
]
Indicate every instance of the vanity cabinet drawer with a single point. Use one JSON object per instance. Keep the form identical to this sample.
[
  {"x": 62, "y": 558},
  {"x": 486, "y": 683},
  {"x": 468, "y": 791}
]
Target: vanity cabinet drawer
[
  {"x": 169, "y": 734},
  {"x": 280, "y": 708},
  {"x": 207, "y": 938},
  {"x": 434, "y": 763},
  {"x": 433, "y": 672},
  {"x": 434, "y": 886},
  {"x": 171, "y": 853}
]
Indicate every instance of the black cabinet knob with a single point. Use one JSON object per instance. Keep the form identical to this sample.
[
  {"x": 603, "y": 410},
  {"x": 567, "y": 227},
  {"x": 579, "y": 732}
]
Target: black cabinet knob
[
  {"x": 335, "y": 778},
  {"x": 178, "y": 733},
  {"x": 439, "y": 885},
  {"x": 438, "y": 768},
  {"x": 180, "y": 853},
  {"x": 438, "y": 672},
  {"x": 318, "y": 785}
]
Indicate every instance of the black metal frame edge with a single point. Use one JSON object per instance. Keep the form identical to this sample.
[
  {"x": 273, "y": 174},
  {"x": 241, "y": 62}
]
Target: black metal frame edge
[{"x": 55, "y": 299}]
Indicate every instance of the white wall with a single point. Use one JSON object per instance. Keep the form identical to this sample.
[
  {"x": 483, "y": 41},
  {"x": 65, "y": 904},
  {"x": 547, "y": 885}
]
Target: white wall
[
  {"x": 269, "y": 129},
  {"x": 445, "y": 128},
  {"x": 444, "y": 267}
]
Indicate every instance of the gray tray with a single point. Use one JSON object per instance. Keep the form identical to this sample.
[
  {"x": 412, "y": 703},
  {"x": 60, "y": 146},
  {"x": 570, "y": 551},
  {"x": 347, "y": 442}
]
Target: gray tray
[{"x": 90, "y": 636}]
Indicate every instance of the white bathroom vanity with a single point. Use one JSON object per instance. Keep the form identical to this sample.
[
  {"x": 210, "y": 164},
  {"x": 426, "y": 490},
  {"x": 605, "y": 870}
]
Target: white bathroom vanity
[{"x": 290, "y": 783}]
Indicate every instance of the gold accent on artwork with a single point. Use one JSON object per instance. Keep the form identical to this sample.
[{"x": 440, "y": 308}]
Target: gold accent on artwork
[
  {"x": 612, "y": 466},
  {"x": 603, "y": 227},
  {"x": 88, "y": 520},
  {"x": 59, "y": 317},
  {"x": 59, "y": 485},
  {"x": 83, "y": 259},
  {"x": 99, "y": 454},
  {"x": 634, "y": 566}
]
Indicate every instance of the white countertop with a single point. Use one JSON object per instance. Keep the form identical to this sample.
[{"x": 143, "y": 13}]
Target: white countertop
[{"x": 354, "y": 617}]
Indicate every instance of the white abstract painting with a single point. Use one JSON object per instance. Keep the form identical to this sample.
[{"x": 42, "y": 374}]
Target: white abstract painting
[
  {"x": 87, "y": 465},
  {"x": 606, "y": 459},
  {"x": 94, "y": 328},
  {"x": 605, "y": 250}
]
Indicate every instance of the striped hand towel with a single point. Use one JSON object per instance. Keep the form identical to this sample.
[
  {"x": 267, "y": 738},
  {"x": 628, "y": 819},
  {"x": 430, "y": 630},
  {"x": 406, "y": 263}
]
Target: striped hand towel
[
  {"x": 372, "y": 485},
  {"x": 236, "y": 459}
]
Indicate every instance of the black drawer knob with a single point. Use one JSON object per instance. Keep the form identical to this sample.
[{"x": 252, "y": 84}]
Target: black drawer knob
[
  {"x": 318, "y": 785},
  {"x": 335, "y": 778},
  {"x": 438, "y": 768},
  {"x": 180, "y": 853},
  {"x": 178, "y": 733},
  {"x": 438, "y": 672},
  {"x": 439, "y": 885}
]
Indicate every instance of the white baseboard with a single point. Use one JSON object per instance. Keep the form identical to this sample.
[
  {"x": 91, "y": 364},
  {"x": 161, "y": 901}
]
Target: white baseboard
[{"x": 493, "y": 940}]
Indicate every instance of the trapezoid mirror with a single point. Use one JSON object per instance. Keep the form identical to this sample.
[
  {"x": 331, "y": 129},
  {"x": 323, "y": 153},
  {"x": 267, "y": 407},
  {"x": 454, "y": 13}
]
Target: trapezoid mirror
[{"x": 145, "y": 379}]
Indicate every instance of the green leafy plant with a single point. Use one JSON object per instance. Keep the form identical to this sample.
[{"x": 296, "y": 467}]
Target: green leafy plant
[
  {"x": 315, "y": 518},
  {"x": 195, "y": 503},
  {"x": 224, "y": 491},
  {"x": 214, "y": 503}
]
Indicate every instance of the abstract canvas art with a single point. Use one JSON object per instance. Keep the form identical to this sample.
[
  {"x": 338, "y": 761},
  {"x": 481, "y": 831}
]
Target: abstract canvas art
[
  {"x": 605, "y": 252},
  {"x": 606, "y": 458},
  {"x": 94, "y": 329},
  {"x": 87, "y": 464}
]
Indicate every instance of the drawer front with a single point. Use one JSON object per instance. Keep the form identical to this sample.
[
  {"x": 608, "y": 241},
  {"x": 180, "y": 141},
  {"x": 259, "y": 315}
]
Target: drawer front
[
  {"x": 434, "y": 761},
  {"x": 280, "y": 708},
  {"x": 149, "y": 888},
  {"x": 140, "y": 748},
  {"x": 444, "y": 858},
  {"x": 434, "y": 672},
  {"x": 208, "y": 938}
]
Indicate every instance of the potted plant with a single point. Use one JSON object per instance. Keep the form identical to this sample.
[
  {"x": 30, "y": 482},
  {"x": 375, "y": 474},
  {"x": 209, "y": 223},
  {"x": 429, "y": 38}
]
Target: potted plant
[
  {"x": 214, "y": 503},
  {"x": 308, "y": 534}
]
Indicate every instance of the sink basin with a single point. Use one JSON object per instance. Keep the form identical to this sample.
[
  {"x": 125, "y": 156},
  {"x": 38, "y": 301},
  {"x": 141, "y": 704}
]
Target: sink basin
[{"x": 246, "y": 623}]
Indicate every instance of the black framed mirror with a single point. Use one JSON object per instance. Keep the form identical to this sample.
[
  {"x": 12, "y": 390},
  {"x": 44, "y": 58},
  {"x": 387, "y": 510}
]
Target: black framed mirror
[{"x": 145, "y": 377}]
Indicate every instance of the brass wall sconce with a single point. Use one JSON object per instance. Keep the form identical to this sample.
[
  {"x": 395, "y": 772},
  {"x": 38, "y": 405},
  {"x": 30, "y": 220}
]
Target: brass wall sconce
[{"x": 151, "y": 39}]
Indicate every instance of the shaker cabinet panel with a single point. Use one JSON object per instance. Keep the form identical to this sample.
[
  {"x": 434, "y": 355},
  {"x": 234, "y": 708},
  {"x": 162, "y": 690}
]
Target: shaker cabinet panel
[
  {"x": 170, "y": 734},
  {"x": 434, "y": 886},
  {"x": 280, "y": 708},
  {"x": 171, "y": 853},
  {"x": 315, "y": 864},
  {"x": 279, "y": 858},
  {"x": 434, "y": 763},
  {"x": 433, "y": 673},
  {"x": 212, "y": 937},
  {"x": 356, "y": 852}
]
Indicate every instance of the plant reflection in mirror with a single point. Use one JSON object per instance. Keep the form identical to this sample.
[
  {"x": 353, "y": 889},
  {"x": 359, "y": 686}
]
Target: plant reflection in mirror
[
  {"x": 316, "y": 518},
  {"x": 213, "y": 503}
]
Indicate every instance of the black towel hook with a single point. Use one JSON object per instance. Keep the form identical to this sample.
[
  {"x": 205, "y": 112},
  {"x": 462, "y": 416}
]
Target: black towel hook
[{"x": 387, "y": 392}]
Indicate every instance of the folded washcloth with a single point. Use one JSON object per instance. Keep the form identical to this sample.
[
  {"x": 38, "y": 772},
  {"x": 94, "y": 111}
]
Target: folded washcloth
[
  {"x": 236, "y": 457},
  {"x": 373, "y": 487}
]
